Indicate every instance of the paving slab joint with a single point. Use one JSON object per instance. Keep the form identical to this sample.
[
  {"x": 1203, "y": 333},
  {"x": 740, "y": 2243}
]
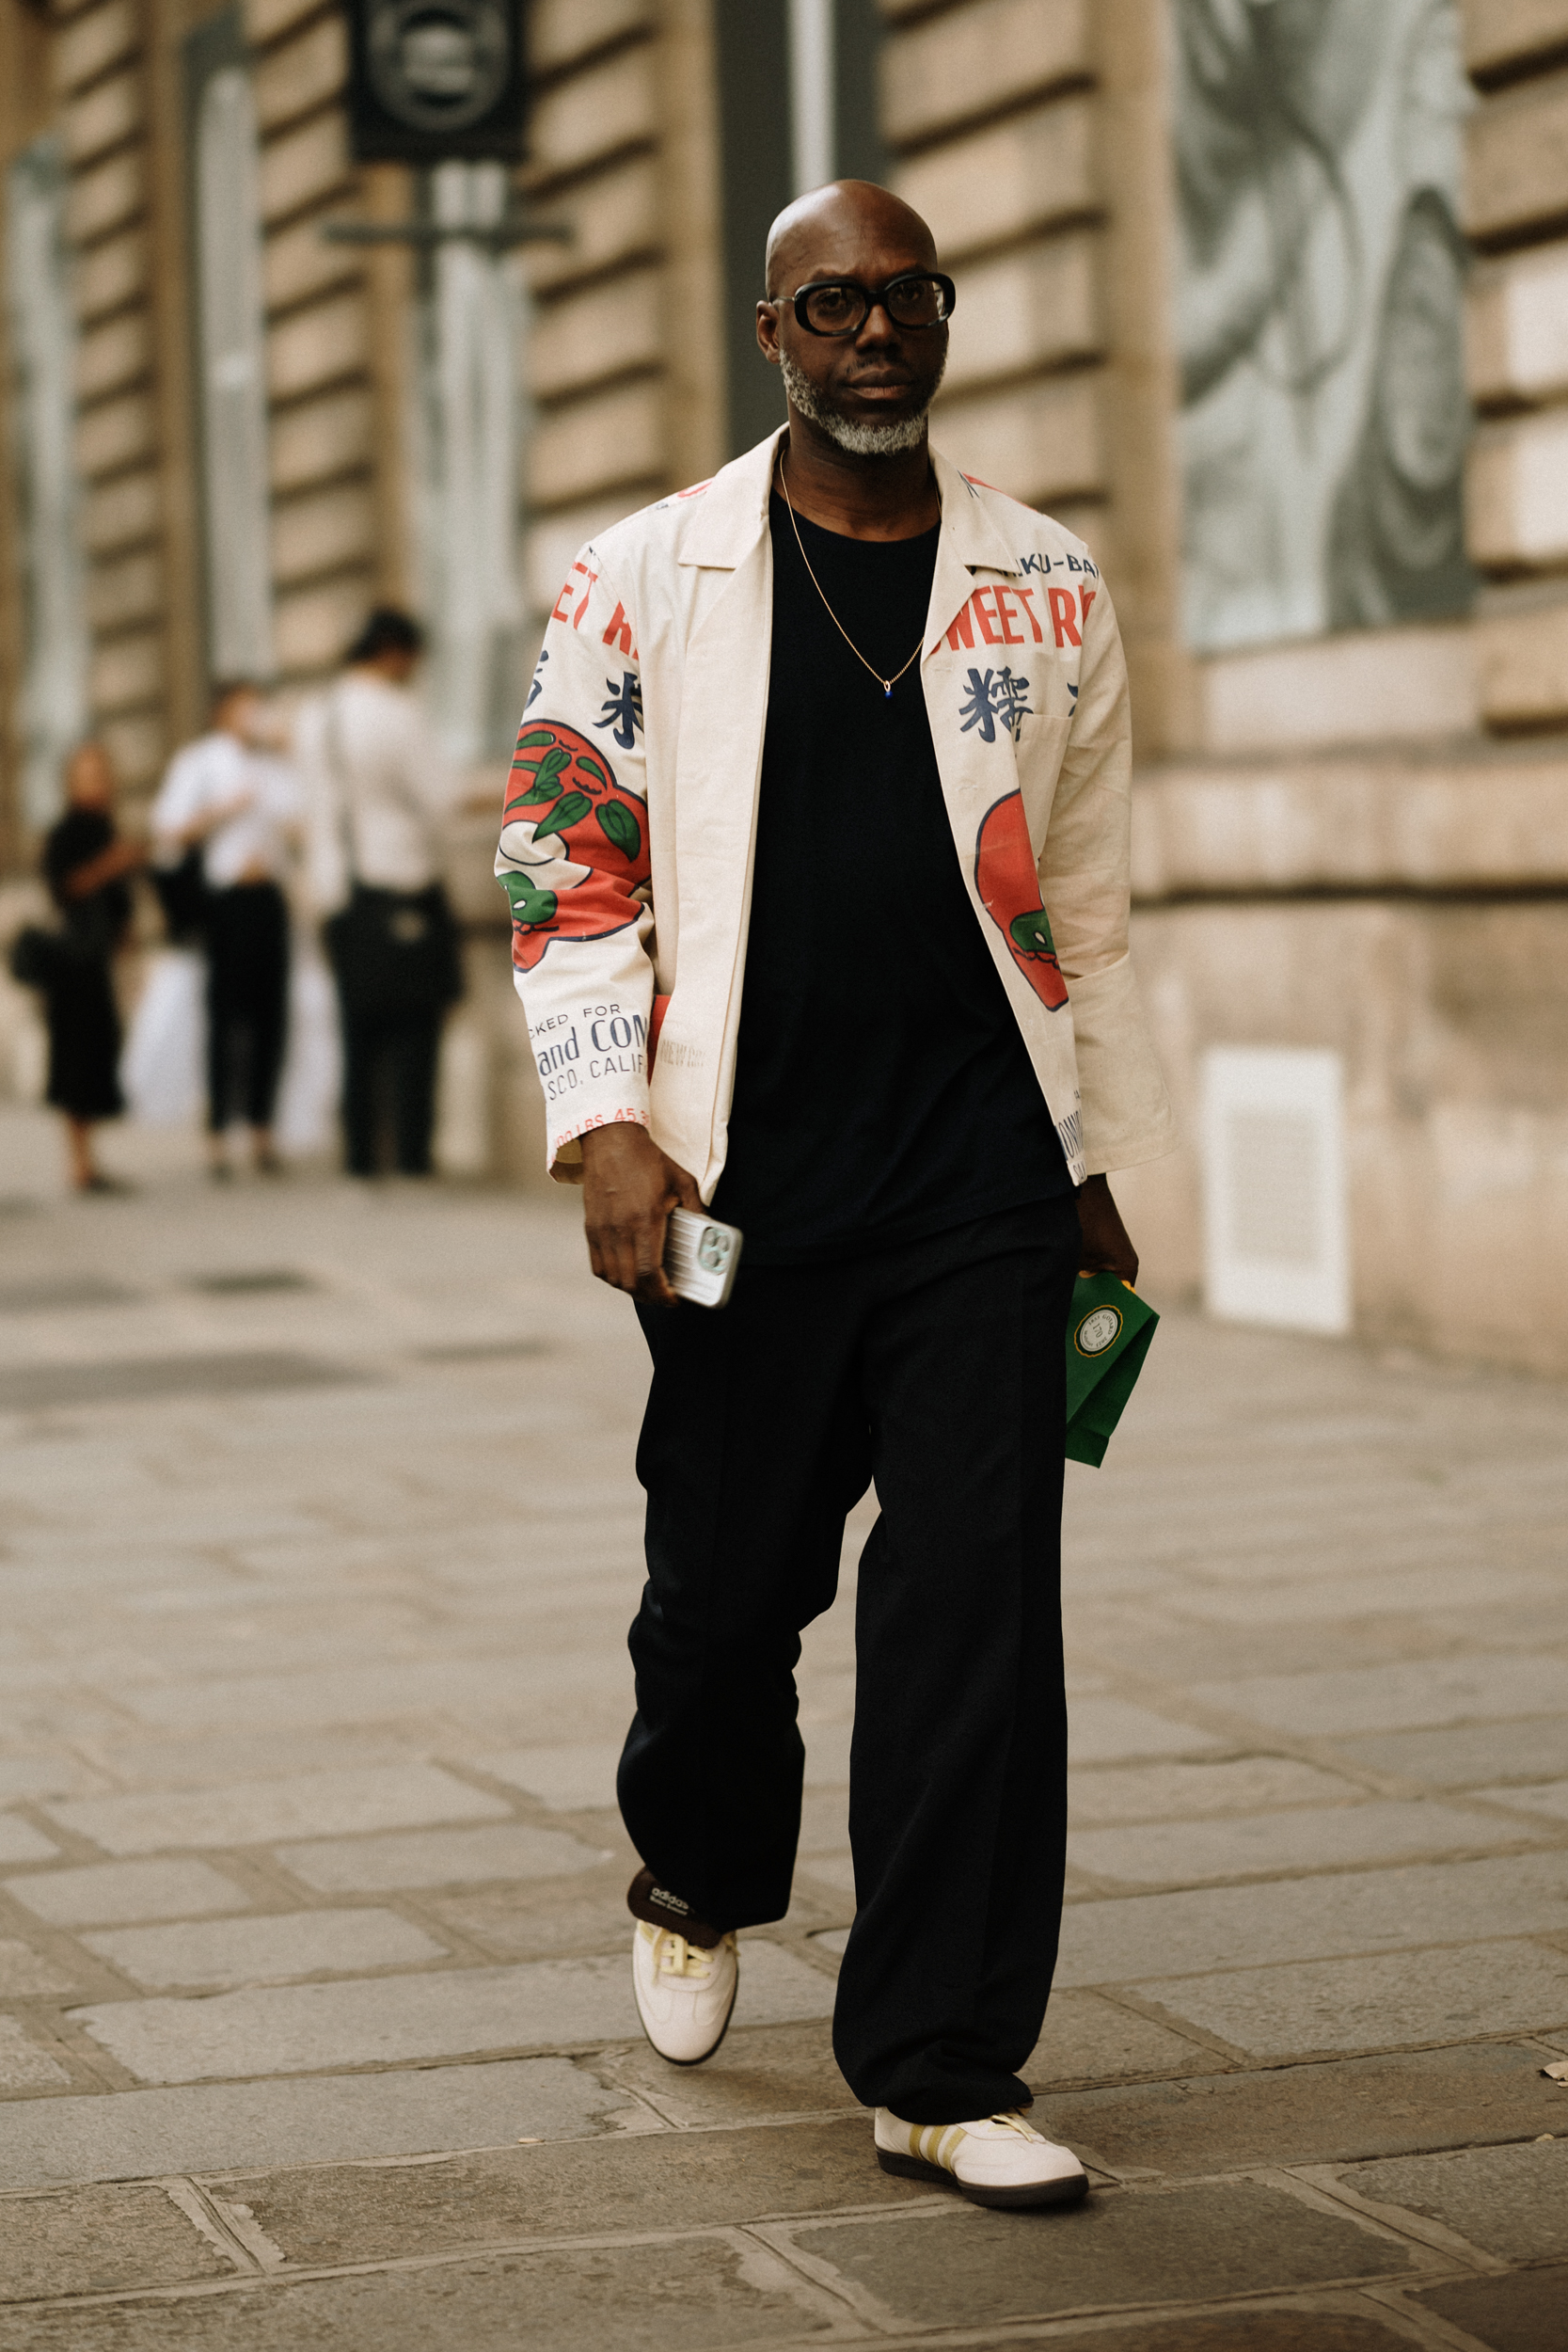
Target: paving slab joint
[
  {"x": 242, "y": 2226},
  {"x": 1326, "y": 2182},
  {"x": 1081, "y": 2327},
  {"x": 777, "y": 2237},
  {"x": 206, "y": 2217},
  {"x": 762, "y": 2265},
  {"x": 1425, "y": 2328},
  {"x": 1127, "y": 1997},
  {"x": 645, "y": 2100}
]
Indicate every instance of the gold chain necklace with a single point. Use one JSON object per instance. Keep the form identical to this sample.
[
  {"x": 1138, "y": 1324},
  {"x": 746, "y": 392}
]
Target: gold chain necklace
[{"x": 887, "y": 684}]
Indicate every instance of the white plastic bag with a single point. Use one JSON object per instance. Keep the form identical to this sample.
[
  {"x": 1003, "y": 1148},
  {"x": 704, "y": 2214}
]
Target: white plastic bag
[
  {"x": 313, "y": 1081},
  {"x": 160, "y": 1068}
]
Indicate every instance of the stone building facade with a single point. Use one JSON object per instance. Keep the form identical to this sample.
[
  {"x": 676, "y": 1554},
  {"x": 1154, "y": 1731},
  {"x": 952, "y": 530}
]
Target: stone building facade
[{"x": 1269, "y": 302}]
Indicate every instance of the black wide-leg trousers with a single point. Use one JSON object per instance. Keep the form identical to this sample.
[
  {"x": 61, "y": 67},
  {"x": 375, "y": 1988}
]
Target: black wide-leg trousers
[
  {"x": 938, "y": 1370},
  {"x": 390, "y": 1062},
  {"x": 247, "y": 1002}
]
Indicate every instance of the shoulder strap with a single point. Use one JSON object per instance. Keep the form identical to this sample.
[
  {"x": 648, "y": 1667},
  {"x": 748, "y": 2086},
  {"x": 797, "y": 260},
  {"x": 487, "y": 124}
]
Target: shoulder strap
[{"x": 332, "y": 752}]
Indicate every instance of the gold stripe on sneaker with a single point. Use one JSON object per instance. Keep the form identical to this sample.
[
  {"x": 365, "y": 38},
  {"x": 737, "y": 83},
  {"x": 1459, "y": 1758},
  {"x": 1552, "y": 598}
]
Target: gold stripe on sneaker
[{"x": 949, "y": 2144}]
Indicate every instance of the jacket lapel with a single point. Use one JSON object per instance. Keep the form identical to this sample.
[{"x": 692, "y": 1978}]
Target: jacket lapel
[
  {"x": 718, "y": 762},
  {"x": 970, "y": 543},
  {"x": 983, "y": 671},
  {"x": 972, "y": 738},
  {"x": 731, "y": 513},
  {"x": 725, "y": 696}
]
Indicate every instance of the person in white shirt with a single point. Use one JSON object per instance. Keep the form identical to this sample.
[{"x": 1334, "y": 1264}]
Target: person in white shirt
[
  {"x": 378, "y": 793},
  {"x": 240, "y": 806}
]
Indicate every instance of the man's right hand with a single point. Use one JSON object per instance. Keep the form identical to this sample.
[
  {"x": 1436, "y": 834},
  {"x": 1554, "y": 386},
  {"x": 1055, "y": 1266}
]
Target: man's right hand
[{"x": 629, "y": 1187}]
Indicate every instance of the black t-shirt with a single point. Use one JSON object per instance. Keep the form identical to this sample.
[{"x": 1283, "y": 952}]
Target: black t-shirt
[
  {"x": 74, "y": 840},
  {"x": 882, "y": 1087}
]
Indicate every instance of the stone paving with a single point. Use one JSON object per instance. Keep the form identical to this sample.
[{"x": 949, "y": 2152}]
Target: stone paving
[{"x": 320, "y": 1541}]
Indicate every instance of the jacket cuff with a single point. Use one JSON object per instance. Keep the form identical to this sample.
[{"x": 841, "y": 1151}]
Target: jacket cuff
[
  {"x": 1125, "y": 1110},
  {"x": 563, "y": 1151}
]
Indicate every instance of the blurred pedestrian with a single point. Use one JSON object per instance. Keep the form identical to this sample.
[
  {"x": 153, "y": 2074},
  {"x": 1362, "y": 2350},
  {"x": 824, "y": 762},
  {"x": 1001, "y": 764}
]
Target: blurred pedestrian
[
  {"x": 378, "y": 793},
  {"x": 225, "y": 818},
  {"x": 86, "y": 867}
]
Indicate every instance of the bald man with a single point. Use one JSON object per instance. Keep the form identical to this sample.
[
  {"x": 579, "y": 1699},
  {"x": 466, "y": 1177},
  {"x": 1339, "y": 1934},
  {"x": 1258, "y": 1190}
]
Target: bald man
[{"x": 817, "y": 846}]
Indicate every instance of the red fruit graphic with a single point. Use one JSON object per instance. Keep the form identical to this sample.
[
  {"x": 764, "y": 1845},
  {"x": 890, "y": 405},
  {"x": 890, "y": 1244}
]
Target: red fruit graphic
[
  {"x": 1009, "y": 888},
  {"x": 563, "y": 785}
]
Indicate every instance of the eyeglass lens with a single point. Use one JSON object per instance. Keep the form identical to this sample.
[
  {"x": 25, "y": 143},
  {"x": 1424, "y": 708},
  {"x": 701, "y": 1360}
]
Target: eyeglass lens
[{"x": 840, "y": 310}]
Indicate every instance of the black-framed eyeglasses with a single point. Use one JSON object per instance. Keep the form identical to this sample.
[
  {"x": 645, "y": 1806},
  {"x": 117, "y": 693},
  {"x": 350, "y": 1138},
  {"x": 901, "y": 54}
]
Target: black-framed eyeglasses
[{"x": 841, "y": 306}]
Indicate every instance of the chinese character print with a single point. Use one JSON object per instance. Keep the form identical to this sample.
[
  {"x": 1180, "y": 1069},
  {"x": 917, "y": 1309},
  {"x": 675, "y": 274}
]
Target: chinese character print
[
  {"x": 623, "y": 712},
  {"x": 995, "y": 694}
]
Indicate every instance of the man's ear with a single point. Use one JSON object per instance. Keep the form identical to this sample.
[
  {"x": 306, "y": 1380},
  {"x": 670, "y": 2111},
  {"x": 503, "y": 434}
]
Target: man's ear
[{"x": 768, "y": 331}]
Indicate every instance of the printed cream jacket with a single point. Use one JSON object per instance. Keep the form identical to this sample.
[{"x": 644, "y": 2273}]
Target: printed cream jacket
[{"x": 631, "y": 813}]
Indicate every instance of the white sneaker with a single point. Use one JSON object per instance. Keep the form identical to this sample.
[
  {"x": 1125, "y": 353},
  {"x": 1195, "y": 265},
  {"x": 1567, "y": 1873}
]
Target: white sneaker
[
  {"x": 685, "y": 1992},
  {"x": 996, "y": 2160}
]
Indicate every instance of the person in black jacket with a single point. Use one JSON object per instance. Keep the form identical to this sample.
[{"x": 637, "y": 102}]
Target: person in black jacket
[{"x": 85, "y": 866}]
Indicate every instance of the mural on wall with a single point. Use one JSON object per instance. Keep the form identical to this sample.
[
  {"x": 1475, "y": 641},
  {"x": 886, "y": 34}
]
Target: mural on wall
[{"x": 1319, "y": 315}]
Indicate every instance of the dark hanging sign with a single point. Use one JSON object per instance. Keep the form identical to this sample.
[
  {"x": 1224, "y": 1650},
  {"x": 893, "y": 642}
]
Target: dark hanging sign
[{"x": 435, "y": 79}]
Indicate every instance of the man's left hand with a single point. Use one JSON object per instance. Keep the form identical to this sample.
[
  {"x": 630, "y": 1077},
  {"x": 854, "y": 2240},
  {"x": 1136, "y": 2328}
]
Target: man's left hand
[{"x": 1107, "y": 1245}]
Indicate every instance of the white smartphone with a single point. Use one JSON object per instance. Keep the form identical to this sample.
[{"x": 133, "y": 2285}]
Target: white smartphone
[{"x": 699, "y": 1258}]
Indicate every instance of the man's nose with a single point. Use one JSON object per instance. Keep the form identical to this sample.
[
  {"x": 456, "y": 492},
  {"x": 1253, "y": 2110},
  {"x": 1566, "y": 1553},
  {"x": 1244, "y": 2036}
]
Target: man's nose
[{"x": 878, "y": 329}]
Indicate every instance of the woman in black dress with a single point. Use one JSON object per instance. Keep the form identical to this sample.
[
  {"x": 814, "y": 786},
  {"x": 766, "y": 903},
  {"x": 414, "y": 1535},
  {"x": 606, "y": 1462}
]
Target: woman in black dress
[{"x": 86, "y": 865}]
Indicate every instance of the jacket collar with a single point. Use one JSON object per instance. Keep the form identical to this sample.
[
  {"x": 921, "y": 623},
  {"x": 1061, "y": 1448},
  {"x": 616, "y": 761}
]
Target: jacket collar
[
  {"x": 730, "y": 516},
  {"x": 971, "y": 536}
]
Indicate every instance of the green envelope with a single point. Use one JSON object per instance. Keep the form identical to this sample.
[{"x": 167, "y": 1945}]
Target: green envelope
[{"x": 1107, "y": 1338}]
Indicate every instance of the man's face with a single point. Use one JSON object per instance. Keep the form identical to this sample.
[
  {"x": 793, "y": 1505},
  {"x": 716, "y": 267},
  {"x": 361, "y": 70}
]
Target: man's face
[
  {"x": 868, "y": 391},
  {"x": 238, "y": 714},
  {"x": 90, "y": 778}
]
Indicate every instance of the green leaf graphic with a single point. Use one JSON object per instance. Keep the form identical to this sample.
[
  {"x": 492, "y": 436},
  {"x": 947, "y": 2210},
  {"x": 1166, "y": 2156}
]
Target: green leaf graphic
[
  {"x": 542, "y": 788},
  {"x": 1031, "y": 932},
  {"x": 587, "y": 766},
  {"x": 530, "y": 905},
  {"x": 535, "y": 740},
  {"x": 567, "y": 810},
  {"x": 551, "y": 765},
  {"x": 619, "y": 827}
]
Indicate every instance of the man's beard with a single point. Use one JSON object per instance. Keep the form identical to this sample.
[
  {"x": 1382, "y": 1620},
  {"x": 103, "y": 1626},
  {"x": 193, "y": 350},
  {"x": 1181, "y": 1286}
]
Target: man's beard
[{"x": 861, "y": 440}]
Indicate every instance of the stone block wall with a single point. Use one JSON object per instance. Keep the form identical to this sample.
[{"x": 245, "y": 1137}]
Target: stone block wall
[
  {"x": 105, "y": 103},
  {"x": 1007, "y": 169},
  {"x": 626, "y": 379},
  {"x": 1360, "y": 841},
  {"x": 625, "y": 376},
  {"x": 1031, "y": 135},
  {"x": 625, "y": 371},
  {"x": 108, "y": 77},
  {"x": 336, "y": 317},
  {"x": 1517, "y": 215}
]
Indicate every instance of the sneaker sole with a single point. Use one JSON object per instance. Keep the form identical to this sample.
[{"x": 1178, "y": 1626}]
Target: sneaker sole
[
  {"x": 702, "y": 2056},
  {"x": 1070, "y": 2191}
]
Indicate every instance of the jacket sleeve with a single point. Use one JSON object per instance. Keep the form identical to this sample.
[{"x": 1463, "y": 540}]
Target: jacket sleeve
[
  {"x": 1086, "y": 877},
  {"x": 574, "y": 864}
]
